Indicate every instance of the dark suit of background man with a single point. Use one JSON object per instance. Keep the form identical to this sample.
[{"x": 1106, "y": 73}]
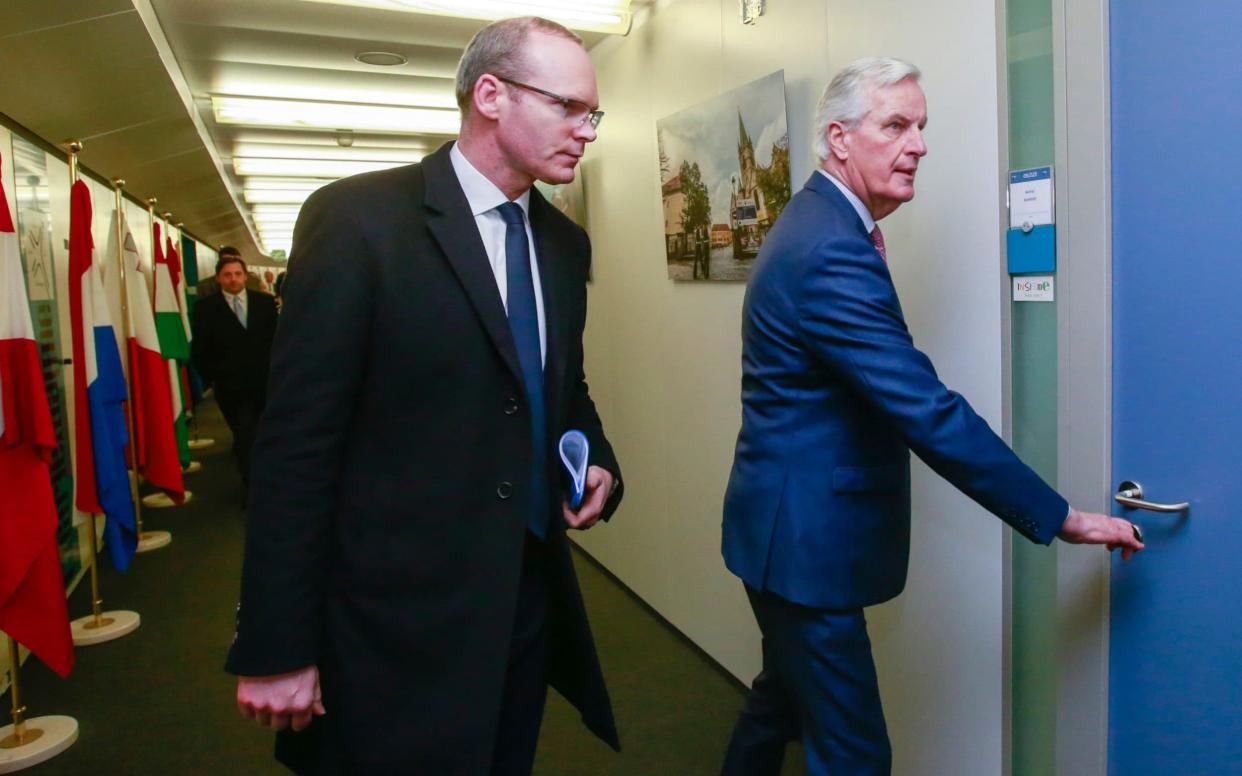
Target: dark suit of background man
[
  {"x": 232, "y": 347},
  {"x": 408, "y": 588},
  {"x": 835, "y": 395}
]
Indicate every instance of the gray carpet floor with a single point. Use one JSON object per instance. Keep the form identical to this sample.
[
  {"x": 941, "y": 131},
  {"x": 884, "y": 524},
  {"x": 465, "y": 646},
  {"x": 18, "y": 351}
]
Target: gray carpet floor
[{"x": 158, "y": 701}]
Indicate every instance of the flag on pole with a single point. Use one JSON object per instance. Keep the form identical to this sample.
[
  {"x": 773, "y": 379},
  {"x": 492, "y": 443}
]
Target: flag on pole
[
  {"x": 178, "y": 280},
  {"x": 32, "y": 590},
  {"x": 174, "y": 345},
  {"x": 99, "y": 391},
  {"x": 183, "y": 304},
  {"x": 155, "y": 441}
]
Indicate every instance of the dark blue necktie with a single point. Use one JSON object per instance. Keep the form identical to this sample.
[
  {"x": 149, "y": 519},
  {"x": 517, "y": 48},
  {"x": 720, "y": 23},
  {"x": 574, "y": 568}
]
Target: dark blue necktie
[{"x": 524, "y": 324}]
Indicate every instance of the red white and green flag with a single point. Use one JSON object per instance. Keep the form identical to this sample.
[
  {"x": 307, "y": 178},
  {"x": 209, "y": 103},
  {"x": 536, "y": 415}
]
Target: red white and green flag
[{"x": 172, "y": 332}]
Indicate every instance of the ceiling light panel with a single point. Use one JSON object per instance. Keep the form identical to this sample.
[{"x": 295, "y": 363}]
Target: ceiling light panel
[
  {"x": 277, "y": 217},
  {"x": 334, "y": 152},
  {"x": 306, "y": 114},
  {"x": 318, "y": 92},
  {"x": 261, "y": 197},
  {"x": 607, "y": 16},
  {"x": 275, "y": 210},
  {"x": 310, "y": 168},
  {"x": 306, "y": 185}
]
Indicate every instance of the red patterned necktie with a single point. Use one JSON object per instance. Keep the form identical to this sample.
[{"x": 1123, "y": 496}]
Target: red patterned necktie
[{"x": 877, "y": 239}]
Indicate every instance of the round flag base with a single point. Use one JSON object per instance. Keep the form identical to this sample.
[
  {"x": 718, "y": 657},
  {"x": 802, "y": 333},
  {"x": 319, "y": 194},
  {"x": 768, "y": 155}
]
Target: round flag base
[
  {"x": 199, "y": 444},
  {"x": 45, "y": 738},
  {"x": 193, "y": 467},
  {"x": 112, "y": 625},
  {"x": 153, "y": 540},
  {"x": 162, "y": 501}
]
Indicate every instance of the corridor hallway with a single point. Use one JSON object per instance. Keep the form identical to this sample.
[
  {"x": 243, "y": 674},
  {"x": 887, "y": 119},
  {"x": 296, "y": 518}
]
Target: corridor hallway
[{"x": 158, "y": 703}]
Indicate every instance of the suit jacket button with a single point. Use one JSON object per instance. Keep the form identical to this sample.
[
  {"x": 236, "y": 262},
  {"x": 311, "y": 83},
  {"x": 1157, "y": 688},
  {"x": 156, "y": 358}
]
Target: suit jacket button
[
  {"x": 504, "y": 490},
  {"x": 511, "y": 406}
]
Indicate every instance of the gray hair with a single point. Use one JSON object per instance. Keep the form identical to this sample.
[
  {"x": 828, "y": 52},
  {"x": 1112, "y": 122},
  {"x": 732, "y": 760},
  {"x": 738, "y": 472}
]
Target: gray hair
[
  {"x": 498, "y": 49},
  {"x": 848, "y": 98}
]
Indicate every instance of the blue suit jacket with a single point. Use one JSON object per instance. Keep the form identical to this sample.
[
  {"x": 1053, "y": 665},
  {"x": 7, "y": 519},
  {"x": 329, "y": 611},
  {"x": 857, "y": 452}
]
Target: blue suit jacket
[{"x": 834, "y": 397}]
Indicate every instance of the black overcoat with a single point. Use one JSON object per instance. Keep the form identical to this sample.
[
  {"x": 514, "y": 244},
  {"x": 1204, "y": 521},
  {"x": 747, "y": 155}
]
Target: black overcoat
[
  {"x": 232, "y": 358},
  {"x": 388, "y": 507}
]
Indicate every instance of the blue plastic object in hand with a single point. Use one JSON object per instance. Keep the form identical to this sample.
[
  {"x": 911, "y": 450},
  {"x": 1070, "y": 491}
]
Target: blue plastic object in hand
[{"x": 575, "y": 453}]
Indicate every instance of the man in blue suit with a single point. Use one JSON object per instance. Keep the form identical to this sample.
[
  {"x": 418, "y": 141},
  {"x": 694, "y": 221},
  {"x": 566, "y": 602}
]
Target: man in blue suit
[{"x": 835, "y": 396}]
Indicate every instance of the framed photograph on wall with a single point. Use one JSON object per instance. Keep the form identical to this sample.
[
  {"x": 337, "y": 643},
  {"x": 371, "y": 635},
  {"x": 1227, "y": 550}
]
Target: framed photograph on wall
[{"x": 724, "y": 178}]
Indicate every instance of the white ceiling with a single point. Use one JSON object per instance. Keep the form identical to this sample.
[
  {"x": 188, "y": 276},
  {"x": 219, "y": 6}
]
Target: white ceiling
[{"x": 133, "y": 79}]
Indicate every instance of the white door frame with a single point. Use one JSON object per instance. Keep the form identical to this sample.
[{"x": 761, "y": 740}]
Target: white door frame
[
  {"x": 1082, "y": 110},
  {"x": 1081, "y": 81}
]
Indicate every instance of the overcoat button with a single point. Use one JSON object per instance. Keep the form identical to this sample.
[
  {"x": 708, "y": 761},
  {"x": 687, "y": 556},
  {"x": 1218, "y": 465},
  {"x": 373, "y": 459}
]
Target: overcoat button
[
  {"x": 504, "y": 490},
  {"x": 511, "y": 406}
]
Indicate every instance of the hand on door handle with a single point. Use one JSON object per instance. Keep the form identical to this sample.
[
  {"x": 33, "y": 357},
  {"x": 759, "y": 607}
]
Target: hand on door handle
[
  {"x": 1094, "y": 528},
  {"x": 1130, "y": 495}
]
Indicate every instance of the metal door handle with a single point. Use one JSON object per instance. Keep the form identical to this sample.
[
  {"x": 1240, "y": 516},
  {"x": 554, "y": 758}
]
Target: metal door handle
[{"x": 1130, "y": 495}]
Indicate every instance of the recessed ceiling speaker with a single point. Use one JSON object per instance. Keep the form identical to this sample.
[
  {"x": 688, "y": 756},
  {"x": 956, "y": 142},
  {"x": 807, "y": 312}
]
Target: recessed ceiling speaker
[{"x": 381, "y": 58}]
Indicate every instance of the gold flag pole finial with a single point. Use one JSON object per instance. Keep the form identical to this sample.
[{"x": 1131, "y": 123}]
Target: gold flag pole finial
[{"x": 74, "y": 147}]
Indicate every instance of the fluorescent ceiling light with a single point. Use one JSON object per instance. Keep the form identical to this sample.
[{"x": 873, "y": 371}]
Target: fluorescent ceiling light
[
  {"x": 271, "y": 224},
  {"x": 305, "y": 114},
  {"x": 275, "y": 210},
  {"x": 287, "y": 184},
  {"x": 309, "y": 168},
  {"x": 608, "y": 16},
  {"x": 276, "y": 218},
  {"x": 291, "y": 137},
  {"x": 261, "y": 197},
  {"x": 268, "y": 232},
  {"x": 319, "y": 93},
  {"x": 333, "y": 152}
]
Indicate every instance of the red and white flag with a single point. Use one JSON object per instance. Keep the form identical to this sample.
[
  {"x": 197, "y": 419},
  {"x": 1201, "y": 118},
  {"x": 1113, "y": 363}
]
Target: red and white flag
[{"x": 32, "y": 590}]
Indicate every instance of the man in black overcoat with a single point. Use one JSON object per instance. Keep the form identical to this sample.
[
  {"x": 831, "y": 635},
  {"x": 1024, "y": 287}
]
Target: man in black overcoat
[
  {"x": 232, "y": 349},
  {"x": 408, "y": 593}
]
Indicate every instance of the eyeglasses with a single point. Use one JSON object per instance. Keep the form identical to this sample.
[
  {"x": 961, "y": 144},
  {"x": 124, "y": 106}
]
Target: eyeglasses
[{"x": 576, "y": 111}]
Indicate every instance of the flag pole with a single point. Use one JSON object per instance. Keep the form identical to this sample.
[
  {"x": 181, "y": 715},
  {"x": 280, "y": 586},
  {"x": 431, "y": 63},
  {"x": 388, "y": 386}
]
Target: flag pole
[
  {"x": 26, "y": 743},
  {"x": 147, "y": 540},
  {"x": 99, "y": 621},
  {"x": 98, "y": 626}
]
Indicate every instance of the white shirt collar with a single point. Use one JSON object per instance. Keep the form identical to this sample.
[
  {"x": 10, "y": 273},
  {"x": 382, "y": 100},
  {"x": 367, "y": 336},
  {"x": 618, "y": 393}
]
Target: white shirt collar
[
  {"x": 481, "y": 193},
  {"x": 863, "y": 213},
  {"x": 230, "y": 297}
]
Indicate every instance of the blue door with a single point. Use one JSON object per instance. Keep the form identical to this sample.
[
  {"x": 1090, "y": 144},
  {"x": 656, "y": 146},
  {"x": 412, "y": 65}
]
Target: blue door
[{"x": 1176, "y": 637}]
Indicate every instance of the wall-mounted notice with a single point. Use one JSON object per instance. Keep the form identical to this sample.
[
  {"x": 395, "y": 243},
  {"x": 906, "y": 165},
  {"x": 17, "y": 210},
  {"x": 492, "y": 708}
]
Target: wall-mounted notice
[
  {"x": 1030, "y": 198},
  {"x": 1033, "y": 288}
]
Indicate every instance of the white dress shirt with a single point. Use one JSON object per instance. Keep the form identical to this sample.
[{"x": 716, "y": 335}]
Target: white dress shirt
[
  {"x": 232, "y": 299},
  {"x": 859, "y": 207},
  {"x": 484, "y": 197}
]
